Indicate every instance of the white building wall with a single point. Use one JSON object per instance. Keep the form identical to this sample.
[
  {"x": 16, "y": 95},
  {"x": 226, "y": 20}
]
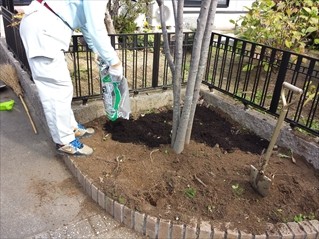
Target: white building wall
[{"x": 223, "y": 16}]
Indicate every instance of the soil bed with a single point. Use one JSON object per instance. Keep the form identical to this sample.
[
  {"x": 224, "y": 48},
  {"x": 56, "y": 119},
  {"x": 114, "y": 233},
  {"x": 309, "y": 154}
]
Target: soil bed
[{"x": 134, "y": 164}]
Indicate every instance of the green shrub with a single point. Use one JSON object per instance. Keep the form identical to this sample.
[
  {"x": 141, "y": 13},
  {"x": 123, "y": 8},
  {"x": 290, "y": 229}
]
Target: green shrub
[
  {"x": 284, "y": 24},
  {"x": 125, "y": 12}
]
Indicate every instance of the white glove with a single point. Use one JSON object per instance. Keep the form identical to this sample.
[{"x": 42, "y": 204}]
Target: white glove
[{"x": 116, "y": 70}]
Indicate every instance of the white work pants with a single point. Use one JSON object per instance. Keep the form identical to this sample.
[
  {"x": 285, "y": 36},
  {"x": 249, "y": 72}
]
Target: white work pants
[
  {"x": 55, "y": 88},
  {"x": 44, "y": 37}
]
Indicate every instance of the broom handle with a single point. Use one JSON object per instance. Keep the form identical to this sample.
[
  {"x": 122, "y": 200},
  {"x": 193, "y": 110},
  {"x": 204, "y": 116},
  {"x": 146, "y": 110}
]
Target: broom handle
[{"x": 27, "y": 110}]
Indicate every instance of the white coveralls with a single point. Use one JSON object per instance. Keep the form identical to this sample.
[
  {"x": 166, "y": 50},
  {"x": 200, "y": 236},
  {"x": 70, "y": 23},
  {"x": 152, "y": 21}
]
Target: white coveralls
[{"x": 45, "y": 36}]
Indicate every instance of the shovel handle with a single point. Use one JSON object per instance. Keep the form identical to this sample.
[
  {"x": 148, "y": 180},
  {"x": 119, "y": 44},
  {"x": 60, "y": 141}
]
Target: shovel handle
[
  {"x": 292, "y": 88},
  {"x": 280, "y": 120}
]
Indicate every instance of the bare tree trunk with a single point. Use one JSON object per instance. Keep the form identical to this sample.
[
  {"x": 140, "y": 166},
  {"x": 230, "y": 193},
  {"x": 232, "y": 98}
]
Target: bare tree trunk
[
  {"x": 202, "y": 65},
  {"x": 176, "y": 64},
  {"x": 179, "y": 142},
  {"x": 109, "y": 22},
  {"x": 183, "y": 119},
  {"x": 165, "y": 37},
  {"x": 177, "y": 77}
]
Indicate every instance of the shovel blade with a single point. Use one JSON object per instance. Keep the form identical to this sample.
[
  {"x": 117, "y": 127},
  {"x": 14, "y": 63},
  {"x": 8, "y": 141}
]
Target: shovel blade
[{"x": 259, "y": 182}]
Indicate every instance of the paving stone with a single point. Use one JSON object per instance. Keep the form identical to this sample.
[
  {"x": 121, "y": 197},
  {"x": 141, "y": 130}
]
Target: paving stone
[
  {"x": 272, "y": 232},
  {"x": 101, "y": 199},
  {"x": 97, "y": 223},
  {"x": 218, "y": 234},
  {"x": 164, "y": 229},
  {"x": 94, "y": 192},
  {"x": 81, "y": 179},
  {"x": 109, "y": 208},
  {"x": 75, "y": 169},
  {"x": 88, "y": 188},
  {"x": 59, "y": 233},
  {"x": 128, "y": 217},
  {"x": 67, "y": 161},
  {"x": 118, "y": 211},
  {"x": 315, "y": 224},
  {"x": 284, "y": 231},
  {"x": 244, "y": 235},
  {"x": 232, "y": 234},
  {"x": 177, "y": 231},
  {"x": 296, "y": 230},
  {"x": 205, "y": 231},
  {"x": 309, "y": 229},
  {"x": 82, "y": 229},
  {"x": 72, "y": 167},
  {"x": 191, "y": 230},
  {"x": 261, "y": 236},
  {"x": 139, "y": 222},
  {"x": 151, "y": 227},
  {"x": 44, "y": 235}
]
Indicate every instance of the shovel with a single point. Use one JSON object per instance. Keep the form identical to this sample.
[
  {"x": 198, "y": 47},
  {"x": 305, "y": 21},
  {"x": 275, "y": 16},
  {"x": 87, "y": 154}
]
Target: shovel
[{"x": 259, "y": 181}]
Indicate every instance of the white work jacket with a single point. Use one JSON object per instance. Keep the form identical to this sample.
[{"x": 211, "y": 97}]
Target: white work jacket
[{"x": 44, "y": 33}]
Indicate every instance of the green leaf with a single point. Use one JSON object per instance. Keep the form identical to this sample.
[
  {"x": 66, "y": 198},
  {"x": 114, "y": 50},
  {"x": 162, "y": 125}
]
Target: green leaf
[
  {"x": 266, "y": 67},
  {"x": 307, "y": 9},
  {"x": 232, "y": 21},
  {"x": 288, "y": 44},
  {"x": 248, "y": 67},
  {"x": 311, "y": 29},
  {"x": 190, "y": 192}
]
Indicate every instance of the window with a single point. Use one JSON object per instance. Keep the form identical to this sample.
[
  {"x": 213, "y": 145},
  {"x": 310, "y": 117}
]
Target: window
[
  {"x": 21, "y": 2},
  {"x": 197, "y": 3}
]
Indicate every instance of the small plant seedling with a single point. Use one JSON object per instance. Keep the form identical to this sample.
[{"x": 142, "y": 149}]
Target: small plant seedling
[
  {"x": 122, "y": 199},
  {"x": 210, "y": 208},
  {"x": 190, "y": 192},
  {"x": 300, "y": 217},
  {"x": 237, "y": 189}
]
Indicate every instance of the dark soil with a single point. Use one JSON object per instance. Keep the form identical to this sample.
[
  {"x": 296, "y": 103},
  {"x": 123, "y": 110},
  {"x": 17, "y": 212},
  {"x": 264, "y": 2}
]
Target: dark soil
[{"x": 134, "y": 164}]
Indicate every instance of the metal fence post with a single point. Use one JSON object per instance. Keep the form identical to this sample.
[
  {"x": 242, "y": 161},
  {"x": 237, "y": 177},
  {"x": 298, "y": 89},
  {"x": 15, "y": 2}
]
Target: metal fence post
[
  {"x": 280, "y": 79},
  {"x": 8, "y": 4},
  {"x": 156, "y": 57}
]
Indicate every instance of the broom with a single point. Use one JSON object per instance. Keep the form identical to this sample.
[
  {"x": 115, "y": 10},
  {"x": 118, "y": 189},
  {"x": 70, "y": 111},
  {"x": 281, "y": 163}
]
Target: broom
[{"x": 9, "y": 76}]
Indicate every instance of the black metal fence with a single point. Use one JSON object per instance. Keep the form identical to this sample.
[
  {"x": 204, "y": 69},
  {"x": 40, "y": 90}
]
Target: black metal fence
[
  {"x": 12, "y": 35},
  {"x": 249, "y": 72}
]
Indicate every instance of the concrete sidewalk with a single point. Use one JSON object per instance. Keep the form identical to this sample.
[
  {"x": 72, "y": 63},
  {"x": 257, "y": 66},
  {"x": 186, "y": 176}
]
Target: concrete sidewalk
[{"x": 39, "y": 196}]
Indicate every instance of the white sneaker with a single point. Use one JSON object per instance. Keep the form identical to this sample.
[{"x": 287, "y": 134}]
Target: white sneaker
[
  {"x": 81, "y": 131},
  {"x": 75, "y": 148}
]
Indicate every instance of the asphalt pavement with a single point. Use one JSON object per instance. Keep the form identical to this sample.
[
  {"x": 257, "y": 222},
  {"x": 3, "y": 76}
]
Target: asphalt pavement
[{"x": 40, "y": 198}]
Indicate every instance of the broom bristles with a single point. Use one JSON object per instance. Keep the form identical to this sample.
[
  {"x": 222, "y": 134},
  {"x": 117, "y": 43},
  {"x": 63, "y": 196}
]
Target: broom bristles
[{"x": 9, "y": 76}]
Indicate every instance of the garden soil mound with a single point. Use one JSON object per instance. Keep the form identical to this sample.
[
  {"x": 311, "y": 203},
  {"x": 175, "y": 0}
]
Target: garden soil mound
[{"x": 134, "y": 164}]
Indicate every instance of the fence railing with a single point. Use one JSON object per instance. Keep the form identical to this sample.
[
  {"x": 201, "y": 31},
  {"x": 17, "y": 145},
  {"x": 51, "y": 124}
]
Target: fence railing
[
  {"x": 254, "y": 73},
  {"x": 13, "y": 38},
  {"x": 250, "y": 72}
]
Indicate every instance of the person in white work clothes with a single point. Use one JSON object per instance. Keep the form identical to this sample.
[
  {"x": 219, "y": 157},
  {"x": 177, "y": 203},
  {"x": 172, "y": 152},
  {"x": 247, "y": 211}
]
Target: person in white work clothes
[{"x": 46, "y": 31}]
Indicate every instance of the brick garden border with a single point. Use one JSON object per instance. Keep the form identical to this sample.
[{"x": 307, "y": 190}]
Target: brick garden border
[
  {"x": 157, "y": 228},
  {"x": 148, "y": 225}
]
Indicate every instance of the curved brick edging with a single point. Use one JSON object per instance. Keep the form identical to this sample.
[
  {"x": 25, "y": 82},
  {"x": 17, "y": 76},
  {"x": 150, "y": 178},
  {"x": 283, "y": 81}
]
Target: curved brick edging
[{"x": 157, "y": 228}]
